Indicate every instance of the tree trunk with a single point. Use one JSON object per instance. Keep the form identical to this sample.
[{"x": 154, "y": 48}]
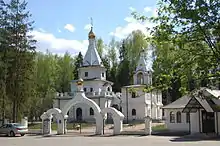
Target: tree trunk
[{"x": 14, "y": 111}]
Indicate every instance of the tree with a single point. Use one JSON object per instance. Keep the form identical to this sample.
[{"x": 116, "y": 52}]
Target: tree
[
  {"x": 22, "y": 51},
  {"x": 123, "y": 74},
  {"x": 3, "y": 57},
  {"x": 100, "y": 46},
  {"x": 78, "y": 63},
  {"x": 129, "y": 54},
  {"x": 66, "y": 68},
  {"x": 188, "y": 34},
  {"x": 47, "y": 77}
]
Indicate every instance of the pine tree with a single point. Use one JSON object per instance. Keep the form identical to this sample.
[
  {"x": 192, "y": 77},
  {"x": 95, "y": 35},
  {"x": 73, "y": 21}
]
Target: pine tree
[
  {"x": 3, "y": 54},
  {"x": 78, "y": 64},
  {"x": 22, "y": 49}
]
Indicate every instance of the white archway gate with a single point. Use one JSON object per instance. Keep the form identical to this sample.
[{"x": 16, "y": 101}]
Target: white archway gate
[
  {"x": 81, "y": 98},
  {"x": 46, "y": 121},
  {"x": 117, "y": 117}
]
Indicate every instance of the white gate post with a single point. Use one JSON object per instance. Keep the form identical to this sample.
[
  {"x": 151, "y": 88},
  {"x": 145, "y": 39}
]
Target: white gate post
[{"x": 148, "y": 125}]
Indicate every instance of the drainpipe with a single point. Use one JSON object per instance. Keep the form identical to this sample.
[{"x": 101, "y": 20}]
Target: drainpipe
[
  {"x": 199, "y": 122},
  {"x": 127, "y": 102},
  {"x": 217, "y": 123}
]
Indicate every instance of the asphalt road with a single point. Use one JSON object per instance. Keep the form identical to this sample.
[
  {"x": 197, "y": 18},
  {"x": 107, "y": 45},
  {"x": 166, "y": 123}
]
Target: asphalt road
[{"x": 74, "y": 140}]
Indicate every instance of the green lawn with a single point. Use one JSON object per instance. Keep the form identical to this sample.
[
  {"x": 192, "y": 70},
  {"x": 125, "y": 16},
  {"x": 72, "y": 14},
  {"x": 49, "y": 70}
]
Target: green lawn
[
  {"x": 159, "y": 128},
  {"x": 54, "y": 126}
]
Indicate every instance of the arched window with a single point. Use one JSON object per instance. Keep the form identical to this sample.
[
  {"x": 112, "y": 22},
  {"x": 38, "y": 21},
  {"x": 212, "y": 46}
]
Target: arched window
[
  {"x": 172, "y": 117},
  {"x": 133, "y": 95},
  {"x": 79, "y": 114},
  {"x": 140, "y": 78},
  {"x": 178, "y": 117},
  {"x": 187, "y": 117},
  {"x": 91, "y": 112},
  {"x": 133, "y": 112}
]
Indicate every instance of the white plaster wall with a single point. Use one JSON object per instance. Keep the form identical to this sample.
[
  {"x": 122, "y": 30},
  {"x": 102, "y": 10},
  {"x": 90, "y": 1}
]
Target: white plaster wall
[
  {"x": 194, "y": 122},
  {"x": 92, "y": 72},
  {"x": 133, "y": 103},
  {"x": 96, "y": 85},
  {"x": 183, "y": 126},
  {"x": 140, "y": 103},
  {"x": 102, "y": 102}
]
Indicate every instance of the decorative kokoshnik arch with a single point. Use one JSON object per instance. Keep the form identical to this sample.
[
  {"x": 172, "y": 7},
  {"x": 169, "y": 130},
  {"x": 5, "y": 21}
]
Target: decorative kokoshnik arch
[
  {"x": 46, "y": 121},
  {"x": 117, "y": 117},
  {"x": 81, "y": 98}
]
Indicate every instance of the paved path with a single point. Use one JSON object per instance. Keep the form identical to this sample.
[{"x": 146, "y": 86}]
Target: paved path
[{"x": 70, "y": 140}]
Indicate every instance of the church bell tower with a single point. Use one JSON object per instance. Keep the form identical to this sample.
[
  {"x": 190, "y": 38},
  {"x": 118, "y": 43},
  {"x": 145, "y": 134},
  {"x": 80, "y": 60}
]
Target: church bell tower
[{"x": 142, "y": 75}]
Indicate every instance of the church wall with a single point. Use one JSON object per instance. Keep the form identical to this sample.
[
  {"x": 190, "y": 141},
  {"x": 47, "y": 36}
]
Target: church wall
[
  {"x": 142, "y": 104},
  {"x": 96, "y": 85},
  {"x": 93, "y": 72},
  {"x": 137, "y": 104}
]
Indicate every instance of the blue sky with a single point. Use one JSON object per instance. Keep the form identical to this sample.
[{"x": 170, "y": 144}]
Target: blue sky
[{"x": 62, "y": 26}]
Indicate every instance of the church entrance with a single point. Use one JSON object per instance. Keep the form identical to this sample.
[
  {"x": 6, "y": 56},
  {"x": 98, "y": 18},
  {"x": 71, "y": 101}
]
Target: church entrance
[
  {"x": 79, "y": 114},
  {"x": 208, "y": 122}
]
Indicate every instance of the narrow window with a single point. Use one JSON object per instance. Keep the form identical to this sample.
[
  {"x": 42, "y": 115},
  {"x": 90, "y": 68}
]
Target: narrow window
[
  {"x": 133, "y": 112},
  {"x": 91, "y": 112},
  {"x": 86, "y": 74},
  {"x": 91, "y": 89},
  {"x": 178, "y": 117},
  {"x": 103, "y": 74},
  {"x": 172, "y": 117},
  {"x": 84, "y": 89},
  {"x": 133, "y": 95}
]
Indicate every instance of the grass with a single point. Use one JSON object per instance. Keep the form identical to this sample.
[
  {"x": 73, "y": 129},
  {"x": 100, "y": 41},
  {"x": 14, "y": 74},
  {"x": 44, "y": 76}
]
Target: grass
[
  {"x": 159, "y": 128},
  {"x": 69, "y": 126}
]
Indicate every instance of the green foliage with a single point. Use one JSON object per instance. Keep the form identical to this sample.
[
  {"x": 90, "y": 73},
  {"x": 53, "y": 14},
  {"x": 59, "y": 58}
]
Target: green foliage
[
  {"x": 78, "y": 63},
  {"x": 129, "y": 54},
  {"x": 18, "y": 52},
  {"x": 100, "y": 47},
  {"x": 185, "y": 32}
]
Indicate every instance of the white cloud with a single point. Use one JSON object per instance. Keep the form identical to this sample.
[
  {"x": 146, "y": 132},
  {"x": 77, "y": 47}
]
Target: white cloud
[
  {"x": 132, "y": 24},
  {"x": 41, "y": 30},
  {"x": 59, "y": 30},
  {"x": 148, "y": 9},
  {"x": 56, "y": 45},
  {"x": 69, "y": 27},
  {"x": 87, "y": 26},
  {"x": 132, "y": 9}
]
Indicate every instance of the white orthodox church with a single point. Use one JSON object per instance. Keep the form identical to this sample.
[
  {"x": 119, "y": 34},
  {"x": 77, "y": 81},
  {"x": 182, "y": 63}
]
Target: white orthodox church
[{"x": 134, "y": 106}]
